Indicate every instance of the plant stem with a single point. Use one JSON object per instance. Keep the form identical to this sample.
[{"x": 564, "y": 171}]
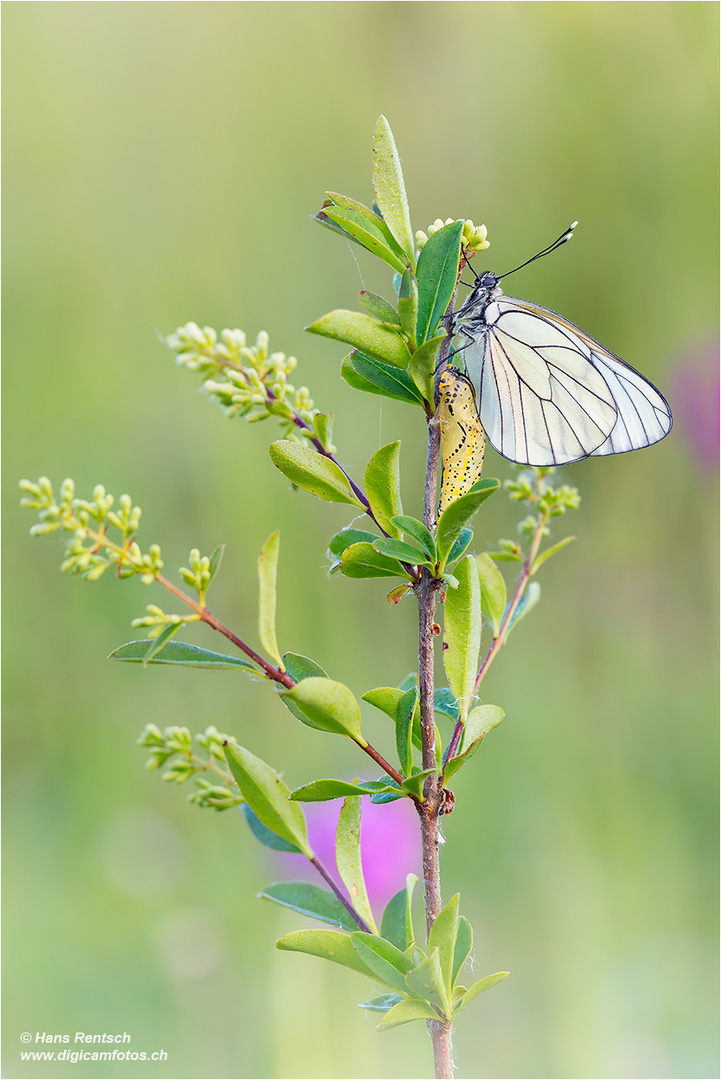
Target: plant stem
[{"x": 362, "y": 924}]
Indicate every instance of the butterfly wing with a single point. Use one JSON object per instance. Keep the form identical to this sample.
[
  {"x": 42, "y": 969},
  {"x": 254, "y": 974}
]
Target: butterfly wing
[{"x": 549, "y": 394}]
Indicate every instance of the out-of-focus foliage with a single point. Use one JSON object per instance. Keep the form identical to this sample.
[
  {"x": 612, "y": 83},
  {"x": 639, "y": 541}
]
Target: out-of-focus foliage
[{"x": 161, "y": 164}]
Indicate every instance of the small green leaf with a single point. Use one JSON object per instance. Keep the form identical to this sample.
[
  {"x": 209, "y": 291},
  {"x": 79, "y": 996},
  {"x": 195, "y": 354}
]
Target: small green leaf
[
  {"x": 388, "y": 963},
  {"x": 365, "y": 333},
  {"x": 459, "y": 545},
  {"x": 312, "y": 900},
  {"x": 415, "y": 783},
  {"x": 443, "y": 937},
  {"x": 373, "y": 220},
  {"x": 398, "y": 549},
  {"x": 527, "y": 602},
  {"x": 459, "y": 513},
  {"x": 480, "y": 721},
  {"x": 389, "y": 187},
  {"x": 158, "y": 642},
  {"x": 493, "y": 590},
  {"x": 379, "y": 307},
  {"x": 313, "y": 472},
  {"x": 265, "y": 835},
  {"x": 363, "y": 561},
  {"x": 383, "y": 485},
  {"x": 328, "y": 944},
  {"x": 462, "y": 632},
  {"x": 382, "y": 1003},
  {"x": 324, "y": 790},
  {"x": 178, "y": 652},
  {"x": 215, "y": 560},
  {"x": 268, "y": 797},
  {"x": 550, "y": 552},
  {"x": 479, "y": 987},
  {"x": 426, "y": 981},
  {"x": 437, "y": 273},
  {"x": 423, "y": 366},
  {"x": 301, "y": 667},
  {"x": 323, "y": 430},
  {"x": 385, "y": 698},
  {"x": 411, "y": 526},
  {"x": 371, "y": 377},
  {"x": 396, "y": 923},
  {"x": 404, "y": 729},
  {"x": 463, "y": 946},
  {"x": 346, "y": 537},
  {"x": 406, "y": 1011},
  {"x": 363, "y": 236},
  {"x": 349, "y": 862},
  {"x": 330, "y": 706},
  {"x": 408, "y": 306},
  {"x": 267, "y": 577},
  {"x": 444, "y": 702}
]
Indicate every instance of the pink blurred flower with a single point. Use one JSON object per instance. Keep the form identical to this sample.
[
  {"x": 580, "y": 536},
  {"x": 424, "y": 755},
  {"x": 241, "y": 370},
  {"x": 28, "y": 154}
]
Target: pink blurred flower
[{"x": 695, "y": 387}]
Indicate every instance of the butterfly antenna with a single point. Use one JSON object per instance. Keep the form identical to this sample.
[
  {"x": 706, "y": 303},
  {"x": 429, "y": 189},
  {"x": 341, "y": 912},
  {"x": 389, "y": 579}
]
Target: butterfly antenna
[
  {"x": 563, "y": 238},
  {"x": 468, "y": 264}
]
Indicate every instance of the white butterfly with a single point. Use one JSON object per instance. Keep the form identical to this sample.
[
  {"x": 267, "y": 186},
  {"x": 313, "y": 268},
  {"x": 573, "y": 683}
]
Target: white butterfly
[{"x": 547, "y": 392}]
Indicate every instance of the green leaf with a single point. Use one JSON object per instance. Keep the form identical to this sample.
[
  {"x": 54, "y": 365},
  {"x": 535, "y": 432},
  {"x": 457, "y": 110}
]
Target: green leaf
[
  {"x": 379, "y": 307},
  {"x": 527, "y": 602},
  {"x": 444, "y": 702},
  {"x": 405, "y": 1011},
  {"x": 550, "y": 551},
  {"x": 324, "y": 790},
  {"x": 389, "y": 188},
  {"x": 365, "y": 333},
  {"x": 437, "y": 273},
  {"x": 479, "y": 987},
  {"x": 443, "y": 937},
  {"x": 328, "y": 944},
  {"x": 415, "y": 783},
  {"x": 411, "y": 526},
  {"x": 383, "y": 485},
  {"x": 267, "y": 577},
  {"x": 313, "y": 472},
  {"x": 344, "y": 219},
  {"x": 480, "y": 721},
  {"x": 370, "y": 376},
  {"x": 493, "y": 590},
  {"x": 459, "y": 545},
  {"x": 462, "y": 632},
  {"x": 330, "y": 706},
  {"x": 408, "y": 306},
  {"x": 404, "y": 729},
  {"x": 459, "y": 513},
  {"x": 346, "y": 537},
  {"x": 382, "y": 1003},
  {"x": 267, "y": 836},
  {"x": 160, "y": 640},
  {"x": 423, "y": 366},
  {"x": 426, "y": 981},
  {"x": 301, "y": 667},
  {"x": 348, "y": 860},
  {"x": 388, "y": 963},
  {"x": 215, "y": 560},
  {"x": 463, "y": 946},
  {"x": 373, "y": 220},
  {"x": 323, "y": 430},
  {"x": 363, "y": 561},
  {"x": 178, "y": 652},
  {"x": 396, "y": 923},
  {"x": 385, "y": 698},
  {"x": 312, "y": 900},
  {"x": 398, "y": 549},
  {"x": 268, "y": 797}
]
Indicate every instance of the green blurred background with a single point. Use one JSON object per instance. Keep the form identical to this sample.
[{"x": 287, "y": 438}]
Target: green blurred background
[{"x": 161, "y": 164}]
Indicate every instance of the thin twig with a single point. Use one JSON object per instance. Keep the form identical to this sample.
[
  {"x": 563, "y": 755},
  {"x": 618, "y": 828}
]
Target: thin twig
[{"x": 362, "y": 924}]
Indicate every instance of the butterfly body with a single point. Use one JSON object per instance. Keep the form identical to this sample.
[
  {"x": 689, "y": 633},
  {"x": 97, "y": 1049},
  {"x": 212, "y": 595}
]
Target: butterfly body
[{"x": 547, "y": 393}]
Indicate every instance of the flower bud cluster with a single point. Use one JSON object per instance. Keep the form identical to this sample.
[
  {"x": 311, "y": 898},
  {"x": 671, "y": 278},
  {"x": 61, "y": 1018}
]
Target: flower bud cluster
[
  {"x": 174, "y": 747},
  {"x": 473, "y": 237},
  {"x": 245, "y": 380},
  {"x": 532, "y": 489},
  {"x": 157, "y": 620}
]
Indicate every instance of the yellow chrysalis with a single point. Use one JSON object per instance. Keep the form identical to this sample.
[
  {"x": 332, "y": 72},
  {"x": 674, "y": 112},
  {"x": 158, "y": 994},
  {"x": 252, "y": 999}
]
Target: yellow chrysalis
[{"x": 463, "y": 443}]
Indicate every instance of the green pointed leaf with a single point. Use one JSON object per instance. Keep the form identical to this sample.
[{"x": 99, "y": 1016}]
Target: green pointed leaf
[
  {"x": 379, "y": 307},
  {"x": 323, "y": 430},
  {"x": 265, "y": 835},
  {"x": 215, "y": 560},
  {"x": 349, "y": 862},
  {"x": 462, "y": 950},
  {"x": 480, "y": 721},
  {"x": 383, "y": 485},
  {"x": 398, "y": 549},
  {"x": 480, "y": 986},
  {"x": 178, "y": 652},
  {"x": 411, "y": 526},
  {"x": 493, "y": 590},
  {"x": 371, "y": 377},
  {"x": 553, "y": 550},
  {"x": 396, "y": 923},
  {"x": 324, "y": 790},
  {"x": 423, "y": 366},
  {"x": 365, "y": 333},
  {"x": 444, "y": 702},
  {"x": 415, "y": 783},
  {"x": 459, "y": 513},
  {"x": 328, "y": 944},
  {"x": 462, "y": 632},
  {"x": 330, "y": 706},
  {"x": 313, "y": 472},
  {"x": 443, "y": 937},
  {"x": 363, "y": 561},
  {"x": 158, "y": 642},
  {"x": 268, "y": 797},
  {"x": 310, "y": 900},
  {"x": 346, "y": 537},
  {"x": 426, "y": 981},
  {"x": 437, "y": 273},
  {"x": 301, "y": 667},
  {"x": 373, "y": 220},
  {"x": 404, "y": 729},
  {"x": 385, "y": 698},
  {"x": 344, "y": 219},
  {"x": 388, "y": 963},
  {"x": 267, "y": 577},
  {"x": 389, "y": 187},
  {"x": 406, "y": 1011},
  {"x": 382, "y": 1003},
  {"x": 527, "y": 602},
  {"x": 408, "y": 306},
  {"x": 459, "y": 545}
]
